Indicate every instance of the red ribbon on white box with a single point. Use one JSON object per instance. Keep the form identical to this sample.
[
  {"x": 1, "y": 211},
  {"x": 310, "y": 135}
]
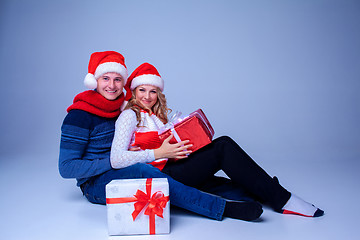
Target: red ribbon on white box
[{"x": 153, "y": 205}]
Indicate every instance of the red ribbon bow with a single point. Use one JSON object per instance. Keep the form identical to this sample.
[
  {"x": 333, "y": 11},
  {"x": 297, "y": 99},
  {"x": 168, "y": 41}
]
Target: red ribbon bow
[{"x": 154, "y": 204}]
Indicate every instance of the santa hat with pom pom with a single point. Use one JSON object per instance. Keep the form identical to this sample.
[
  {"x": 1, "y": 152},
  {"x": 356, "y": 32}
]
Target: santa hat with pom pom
[
  {"x": 145, "y": 74},
  {"x": 104, "y": 62}
]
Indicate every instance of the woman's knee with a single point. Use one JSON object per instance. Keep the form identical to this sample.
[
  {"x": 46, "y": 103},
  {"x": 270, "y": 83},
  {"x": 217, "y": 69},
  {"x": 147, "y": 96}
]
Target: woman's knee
[
  {"x": 226, "y": 142},
  {"x": 224, "y": 139}
]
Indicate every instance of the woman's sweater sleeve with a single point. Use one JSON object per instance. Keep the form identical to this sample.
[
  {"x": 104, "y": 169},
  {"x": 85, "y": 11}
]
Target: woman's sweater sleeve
[{"x": 120, "y": 156}]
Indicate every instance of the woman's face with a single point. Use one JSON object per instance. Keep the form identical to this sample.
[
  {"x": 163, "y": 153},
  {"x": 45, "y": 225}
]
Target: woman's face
[
  {"x": 146, "y": 95},
  {"x": 110, "y": 85}
]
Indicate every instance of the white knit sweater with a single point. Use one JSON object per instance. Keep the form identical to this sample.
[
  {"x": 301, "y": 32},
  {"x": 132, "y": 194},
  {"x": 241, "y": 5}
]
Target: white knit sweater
[{"x": 125, "y": 128}]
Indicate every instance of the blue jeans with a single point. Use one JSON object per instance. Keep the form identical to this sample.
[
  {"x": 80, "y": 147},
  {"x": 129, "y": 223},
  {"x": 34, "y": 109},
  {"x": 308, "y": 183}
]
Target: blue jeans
[{"x": 182, "y": 196}]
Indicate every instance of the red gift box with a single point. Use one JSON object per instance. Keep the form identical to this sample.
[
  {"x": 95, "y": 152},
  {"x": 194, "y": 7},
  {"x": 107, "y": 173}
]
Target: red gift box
[{"x": 195, "y": 127}]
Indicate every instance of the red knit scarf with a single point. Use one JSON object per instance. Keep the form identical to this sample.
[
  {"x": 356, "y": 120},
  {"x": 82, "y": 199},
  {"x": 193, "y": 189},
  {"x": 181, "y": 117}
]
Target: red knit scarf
[{"x": 93, "y": 102}]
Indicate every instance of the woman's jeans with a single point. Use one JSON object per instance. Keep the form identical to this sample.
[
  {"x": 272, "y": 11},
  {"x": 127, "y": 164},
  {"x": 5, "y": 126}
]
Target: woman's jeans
[{"x": 181, "y": 195}]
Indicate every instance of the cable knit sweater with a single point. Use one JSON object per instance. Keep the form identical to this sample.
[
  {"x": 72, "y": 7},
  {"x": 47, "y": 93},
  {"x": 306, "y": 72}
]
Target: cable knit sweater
[
  {"x": 125, "y": 130},
  {"x": 86, "y": 136},
  {"x": 85, "y": 145}
]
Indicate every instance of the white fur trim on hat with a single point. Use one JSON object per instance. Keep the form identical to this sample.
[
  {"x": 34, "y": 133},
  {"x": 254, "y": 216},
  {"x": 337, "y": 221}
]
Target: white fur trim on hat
[
  {"x": 111, "y": 67},
  {"x": 147, "y": 79},
  {"x": 90, "y": 81}
]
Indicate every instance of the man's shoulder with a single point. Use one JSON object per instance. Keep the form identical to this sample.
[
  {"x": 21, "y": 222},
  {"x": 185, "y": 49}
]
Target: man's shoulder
[{"x": 79, "y": 118}]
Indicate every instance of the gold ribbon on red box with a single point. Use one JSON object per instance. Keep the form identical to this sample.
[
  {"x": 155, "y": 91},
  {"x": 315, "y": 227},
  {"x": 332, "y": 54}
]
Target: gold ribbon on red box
[{"x": 153, "y": 204}]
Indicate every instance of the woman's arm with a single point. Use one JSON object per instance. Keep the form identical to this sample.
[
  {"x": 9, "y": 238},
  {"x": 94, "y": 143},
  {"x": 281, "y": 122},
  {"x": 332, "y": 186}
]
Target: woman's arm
[{"x": 120, "y": 156}]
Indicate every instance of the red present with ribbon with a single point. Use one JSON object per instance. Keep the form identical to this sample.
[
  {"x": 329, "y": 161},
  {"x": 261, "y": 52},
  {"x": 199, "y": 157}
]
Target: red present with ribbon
[
  {"x": 138, "y": 206},
  {"x": 195, "y": 127}
]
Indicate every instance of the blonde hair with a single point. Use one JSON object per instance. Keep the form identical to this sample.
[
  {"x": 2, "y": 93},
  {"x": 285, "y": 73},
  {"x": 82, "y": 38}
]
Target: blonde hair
[{"x": 160, "y": 108}]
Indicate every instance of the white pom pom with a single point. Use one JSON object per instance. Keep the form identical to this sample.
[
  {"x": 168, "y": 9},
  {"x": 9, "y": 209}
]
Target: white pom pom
[{"x": 90, "y": 81}]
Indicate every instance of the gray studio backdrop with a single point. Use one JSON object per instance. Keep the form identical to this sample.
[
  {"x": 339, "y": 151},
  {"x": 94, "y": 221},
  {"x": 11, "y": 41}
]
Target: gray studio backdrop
[{"x": 280, "y": 77}]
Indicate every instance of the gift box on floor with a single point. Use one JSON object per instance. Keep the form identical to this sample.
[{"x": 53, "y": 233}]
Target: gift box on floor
[
  {"x": 138, "y": 206},
  {"x": 195, "y": 127}
]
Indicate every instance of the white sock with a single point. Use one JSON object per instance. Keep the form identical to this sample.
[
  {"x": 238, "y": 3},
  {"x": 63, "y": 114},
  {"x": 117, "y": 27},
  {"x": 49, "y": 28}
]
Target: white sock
[{"x": 298, "y": 206}]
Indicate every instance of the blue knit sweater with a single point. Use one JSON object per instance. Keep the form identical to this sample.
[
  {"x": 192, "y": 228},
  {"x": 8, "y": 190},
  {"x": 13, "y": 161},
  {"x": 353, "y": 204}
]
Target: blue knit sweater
[{"x": 85, "y": 145}]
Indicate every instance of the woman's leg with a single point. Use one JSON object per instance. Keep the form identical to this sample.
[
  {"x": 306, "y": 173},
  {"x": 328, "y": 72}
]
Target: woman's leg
[
  {"x": 225, "y": 188},
  {"x": 224, "y": 154},
  {"x": 239, "y": 203},
  {"x": 180, "y": 195}
]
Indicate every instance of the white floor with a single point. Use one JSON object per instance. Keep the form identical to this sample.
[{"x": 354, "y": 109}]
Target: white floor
[{"x": 38, "y": 204}]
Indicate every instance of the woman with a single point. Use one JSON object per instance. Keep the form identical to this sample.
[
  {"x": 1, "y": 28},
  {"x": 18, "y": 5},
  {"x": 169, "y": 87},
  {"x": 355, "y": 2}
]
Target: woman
[
  {"x": 87, "y": 134},
  {"x": 138, "y": 126}
]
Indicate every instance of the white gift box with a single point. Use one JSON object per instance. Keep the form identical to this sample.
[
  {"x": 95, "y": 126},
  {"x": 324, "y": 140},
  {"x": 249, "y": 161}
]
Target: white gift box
[{"x": 135, "y": 206}]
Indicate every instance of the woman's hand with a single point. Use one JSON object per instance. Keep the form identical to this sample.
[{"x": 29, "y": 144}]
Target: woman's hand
[{"x": 176, "y": 150}]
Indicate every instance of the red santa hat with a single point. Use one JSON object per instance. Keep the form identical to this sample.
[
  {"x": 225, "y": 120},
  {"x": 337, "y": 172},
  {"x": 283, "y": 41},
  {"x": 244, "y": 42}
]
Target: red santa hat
[
  {"x": 104, "y": 62},
  {"x": 145, "y": 74}
]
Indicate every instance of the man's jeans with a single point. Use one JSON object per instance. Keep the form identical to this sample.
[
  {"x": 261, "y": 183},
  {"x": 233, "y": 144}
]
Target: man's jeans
[{"x": 182, "y": 196}]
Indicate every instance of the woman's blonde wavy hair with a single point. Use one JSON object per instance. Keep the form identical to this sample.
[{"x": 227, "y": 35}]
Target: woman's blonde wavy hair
[{"x": 160, "y": 108}]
